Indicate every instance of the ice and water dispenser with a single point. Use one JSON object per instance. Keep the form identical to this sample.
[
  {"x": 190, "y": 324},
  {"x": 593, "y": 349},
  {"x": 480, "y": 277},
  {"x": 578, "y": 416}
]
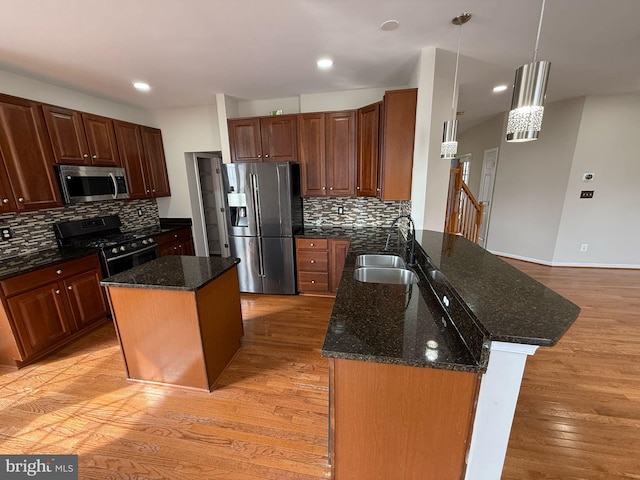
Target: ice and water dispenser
[{"x": 238, "y": 209}]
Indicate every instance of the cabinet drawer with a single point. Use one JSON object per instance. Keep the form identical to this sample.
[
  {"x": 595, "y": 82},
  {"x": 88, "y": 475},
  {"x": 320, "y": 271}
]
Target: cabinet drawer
[
  {"x": 313, "y": 282},
  {"x": 310, "y": 261},
  {"x": 312, "y": 243},
  {"x": 49, "y": 274}
]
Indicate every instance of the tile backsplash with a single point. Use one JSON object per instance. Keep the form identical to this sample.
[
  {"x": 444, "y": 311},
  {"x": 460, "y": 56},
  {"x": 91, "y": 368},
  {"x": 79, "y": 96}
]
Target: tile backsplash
[
  {"x": 33, "y": 231},
  {"x": 357, "y": 212}
]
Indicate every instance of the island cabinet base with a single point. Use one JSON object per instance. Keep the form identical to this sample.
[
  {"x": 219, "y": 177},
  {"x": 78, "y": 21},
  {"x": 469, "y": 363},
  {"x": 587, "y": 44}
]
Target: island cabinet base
[
  {"x": 394, "y": 422},
  {"x": 176, "y": 337}
]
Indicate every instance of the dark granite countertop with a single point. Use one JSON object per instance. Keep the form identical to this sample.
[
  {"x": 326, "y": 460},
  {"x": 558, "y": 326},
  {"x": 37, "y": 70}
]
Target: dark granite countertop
[
  {"x": 11, "y": 267},
  {"x": 494, "y": 301},
  {"x": 173, "y": 272}
]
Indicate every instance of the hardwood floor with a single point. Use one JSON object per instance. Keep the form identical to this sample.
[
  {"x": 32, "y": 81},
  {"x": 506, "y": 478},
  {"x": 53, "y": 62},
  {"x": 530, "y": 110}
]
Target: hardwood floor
[{"x": 578, "y": 415}]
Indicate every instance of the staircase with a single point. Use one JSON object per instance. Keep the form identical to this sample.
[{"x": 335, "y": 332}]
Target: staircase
[{"x": 464, "y": 213}]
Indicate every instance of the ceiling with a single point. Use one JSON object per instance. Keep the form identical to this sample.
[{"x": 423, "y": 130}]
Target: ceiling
[{"x": 190, "y": 50}]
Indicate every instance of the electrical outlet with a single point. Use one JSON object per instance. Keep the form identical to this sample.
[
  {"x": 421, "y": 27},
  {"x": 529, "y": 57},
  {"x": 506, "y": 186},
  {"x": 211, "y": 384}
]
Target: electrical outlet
[
  {"x": 340, "y": 210},
  {"x": 584, "y": 247},
  {"x": 5, "y": 233},
  {"x": 139, "y": 212},
  {"x": 586, "y": 194}
]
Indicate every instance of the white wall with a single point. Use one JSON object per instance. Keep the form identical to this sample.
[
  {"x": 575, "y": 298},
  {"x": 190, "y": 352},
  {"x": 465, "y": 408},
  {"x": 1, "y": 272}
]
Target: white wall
[
  {"x": 342, "y": 100},
  {"x": 531, "y": 183},
  {"x": 189, "y": 129},
  {"x": 475, "y": 141},
  {"x": 25, "y": 87},
  {"x": 258, "y": 108},
  {"x": 608, "y": 146}
]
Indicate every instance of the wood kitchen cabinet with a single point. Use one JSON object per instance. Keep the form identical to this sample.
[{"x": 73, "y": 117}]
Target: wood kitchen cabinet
[
  {"x": 177, "y": 242},
  {"x": 319, "y": 263},
  {"x": 396, "y": 421},
  {"x": 27, "y": 178},
  {"x": 142, "y": 153},
  {"x": 398, "y": 124},
  {"x": 81, "y": 138},
  {"x": 264, "y": 139},
  {"x": 368, "y": 152},
  {"x": 45, "y": 309},
  {"x": 327, "y": 144}
]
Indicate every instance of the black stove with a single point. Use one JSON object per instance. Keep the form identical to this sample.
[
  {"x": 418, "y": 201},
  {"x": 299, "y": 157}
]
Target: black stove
[{"x": 118, "y": 250}]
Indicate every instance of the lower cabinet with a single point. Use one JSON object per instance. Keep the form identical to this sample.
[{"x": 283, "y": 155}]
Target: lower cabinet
[
  {"x": 45, "y": 309},
  {"x": 178, "y": 242},
  {"x": 319, "y": 263},
  {"x": 399, "y": 422}
]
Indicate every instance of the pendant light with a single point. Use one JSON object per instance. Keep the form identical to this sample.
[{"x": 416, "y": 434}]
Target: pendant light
[
  {"x": 449, "y": 146},
  {"x": 529, "y": 91}
]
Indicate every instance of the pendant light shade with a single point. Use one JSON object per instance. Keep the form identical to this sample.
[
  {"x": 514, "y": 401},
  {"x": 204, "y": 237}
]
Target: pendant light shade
[
  {"x": 527, "y": 102},
  {"x": 449, "y": 147}
]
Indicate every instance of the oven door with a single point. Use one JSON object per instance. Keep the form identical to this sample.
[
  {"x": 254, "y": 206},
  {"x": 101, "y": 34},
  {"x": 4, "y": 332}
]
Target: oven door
[{"x": 129, "y": 260}]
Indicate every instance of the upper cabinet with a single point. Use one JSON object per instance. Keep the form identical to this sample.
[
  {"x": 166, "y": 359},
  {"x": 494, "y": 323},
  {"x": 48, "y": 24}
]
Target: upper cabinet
[
  {"x": 142, "y": 154},
  {"x": 327, "y": 145},
  {"x": 398, "y": 125},
  {"x": 81, "y": 138},
  {"x": 264, "y": 139},
  {"x": 368, "y": 152},
  {"x": 27, "y": 179}
]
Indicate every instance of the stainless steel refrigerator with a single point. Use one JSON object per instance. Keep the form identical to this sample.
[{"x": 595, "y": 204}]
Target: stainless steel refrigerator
[{"x": 264, "y": 212}]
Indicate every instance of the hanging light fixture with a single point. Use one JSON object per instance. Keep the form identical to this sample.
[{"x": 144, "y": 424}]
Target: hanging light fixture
[
  {"x": 529, "y": 91},
  {"x": 449, "y": 146}
]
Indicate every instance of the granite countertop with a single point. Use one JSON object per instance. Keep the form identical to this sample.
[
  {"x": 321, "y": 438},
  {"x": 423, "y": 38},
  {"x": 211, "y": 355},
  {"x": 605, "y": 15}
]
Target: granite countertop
[
  {"x": 173, "y": 272},
  {"x": 493, "y": 301},
  {"x": 11, "y": 267}
]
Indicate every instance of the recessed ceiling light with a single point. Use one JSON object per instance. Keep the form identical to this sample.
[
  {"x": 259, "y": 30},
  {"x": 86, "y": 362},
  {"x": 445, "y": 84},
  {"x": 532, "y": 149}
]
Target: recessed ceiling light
[
  {"x": 499, "y": 88},
  {"x": 389, "y": 25},
  {"x": 143, "y": 87},
  {"x": 325, "y": 63}
]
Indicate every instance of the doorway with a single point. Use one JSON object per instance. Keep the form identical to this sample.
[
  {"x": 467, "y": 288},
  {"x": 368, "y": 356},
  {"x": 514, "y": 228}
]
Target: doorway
[
  {"x": 487, "y": 182},
  {"x": 212, "y": 210}
]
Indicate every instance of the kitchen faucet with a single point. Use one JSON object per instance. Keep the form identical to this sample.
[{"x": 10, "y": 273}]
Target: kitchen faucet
[{"x": 412, "y": 253}]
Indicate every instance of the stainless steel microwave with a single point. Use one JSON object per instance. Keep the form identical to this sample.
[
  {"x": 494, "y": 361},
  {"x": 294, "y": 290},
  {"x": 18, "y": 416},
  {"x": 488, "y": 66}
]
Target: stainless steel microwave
[{"x": 91, "y": 184}]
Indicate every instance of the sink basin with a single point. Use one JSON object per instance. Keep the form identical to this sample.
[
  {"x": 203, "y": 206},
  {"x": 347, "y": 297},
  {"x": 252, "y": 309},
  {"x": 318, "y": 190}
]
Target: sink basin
[
  {"x": 396, "y": 276},
  {"x": 387, "y": 261}
]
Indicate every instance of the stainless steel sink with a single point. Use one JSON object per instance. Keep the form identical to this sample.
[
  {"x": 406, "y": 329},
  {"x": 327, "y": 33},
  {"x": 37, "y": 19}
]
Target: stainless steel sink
[
  {"x": 396, "y": 276},
  {"x": 387, "y": 261}
]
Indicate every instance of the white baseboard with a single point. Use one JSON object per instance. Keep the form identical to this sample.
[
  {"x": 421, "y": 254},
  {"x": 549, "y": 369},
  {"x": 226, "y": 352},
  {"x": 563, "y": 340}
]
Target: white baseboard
[{"x": 565, "y": 264}]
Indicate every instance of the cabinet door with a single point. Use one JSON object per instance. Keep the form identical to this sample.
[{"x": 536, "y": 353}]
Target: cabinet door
[
  {"x": 67, "y": 135},
  {"x": 245, "y": 140},
  {"x": 156, "y": 162},
  {"x": 279, "y": 138},
  {"x": 341, "y": 153},
  {"x": 367, "y": 154},
  {"x": 7, "y": 199},
  {"x": 311, "y": 140},
  {"x": 86, "y": 298},
  {"x": 101, "y": 139},
  {"x": 26, "y": 152},
  {"x": 399, "y": 134},
  {"x": 40, "y": 317},
  {"x": 338, "y": 253},
  {"x": 131, "y": 154}
]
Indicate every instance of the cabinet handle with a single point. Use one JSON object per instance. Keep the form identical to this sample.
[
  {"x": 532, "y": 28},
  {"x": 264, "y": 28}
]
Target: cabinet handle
[
  {"x": 5, "y": 200},
  {"x": 313, "y": 281},
  {"x": 58, "y": 292},
  {"x": 357, "y": 188},
  {"x": 175, "y": 236},
  {"x": 259, "y": 156},
  {"x": 266, "y": 156},
  {"x": 153, "y": 190},
  {"x": 324, "y": 188},
  {"x": 313, "y": 261},
  {"x": 21, "y": 199},
  {"x": 59, "y": 272},
  {"x": 312, "y": 244},
  {"x": 148, "y": 191},
  {"x": 330, "y": 188},
  {"x": 94, "y": 156},
  {"x": 86, "y": 155},
  {"x": 70, "y": 287}
]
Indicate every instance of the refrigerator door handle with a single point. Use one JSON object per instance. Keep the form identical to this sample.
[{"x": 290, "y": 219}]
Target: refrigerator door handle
[{"x": 256, "y": 210}]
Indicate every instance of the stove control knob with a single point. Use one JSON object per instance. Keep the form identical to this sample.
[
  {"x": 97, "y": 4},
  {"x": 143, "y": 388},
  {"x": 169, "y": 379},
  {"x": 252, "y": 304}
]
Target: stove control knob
[
  {"x": 134, "y": 245},
  {"x": 151, "y": 240},
  {"x": 123, "y": 248},
  {"x": 144, "y": 242},
  {"x": 114, "y": 250}
]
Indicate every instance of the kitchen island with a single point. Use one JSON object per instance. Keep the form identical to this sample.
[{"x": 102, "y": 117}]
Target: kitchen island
[
  {"x": 391, "y": 392},
  {"x": 178, "y": 319}
]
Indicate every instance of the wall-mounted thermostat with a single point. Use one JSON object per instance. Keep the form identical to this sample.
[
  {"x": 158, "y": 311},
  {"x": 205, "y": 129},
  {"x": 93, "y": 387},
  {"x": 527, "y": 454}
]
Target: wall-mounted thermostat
[{"x": 587, "y": 176}]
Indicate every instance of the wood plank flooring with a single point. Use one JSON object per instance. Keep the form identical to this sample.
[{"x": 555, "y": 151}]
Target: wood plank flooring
[{"x": 578, "y": 416}]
